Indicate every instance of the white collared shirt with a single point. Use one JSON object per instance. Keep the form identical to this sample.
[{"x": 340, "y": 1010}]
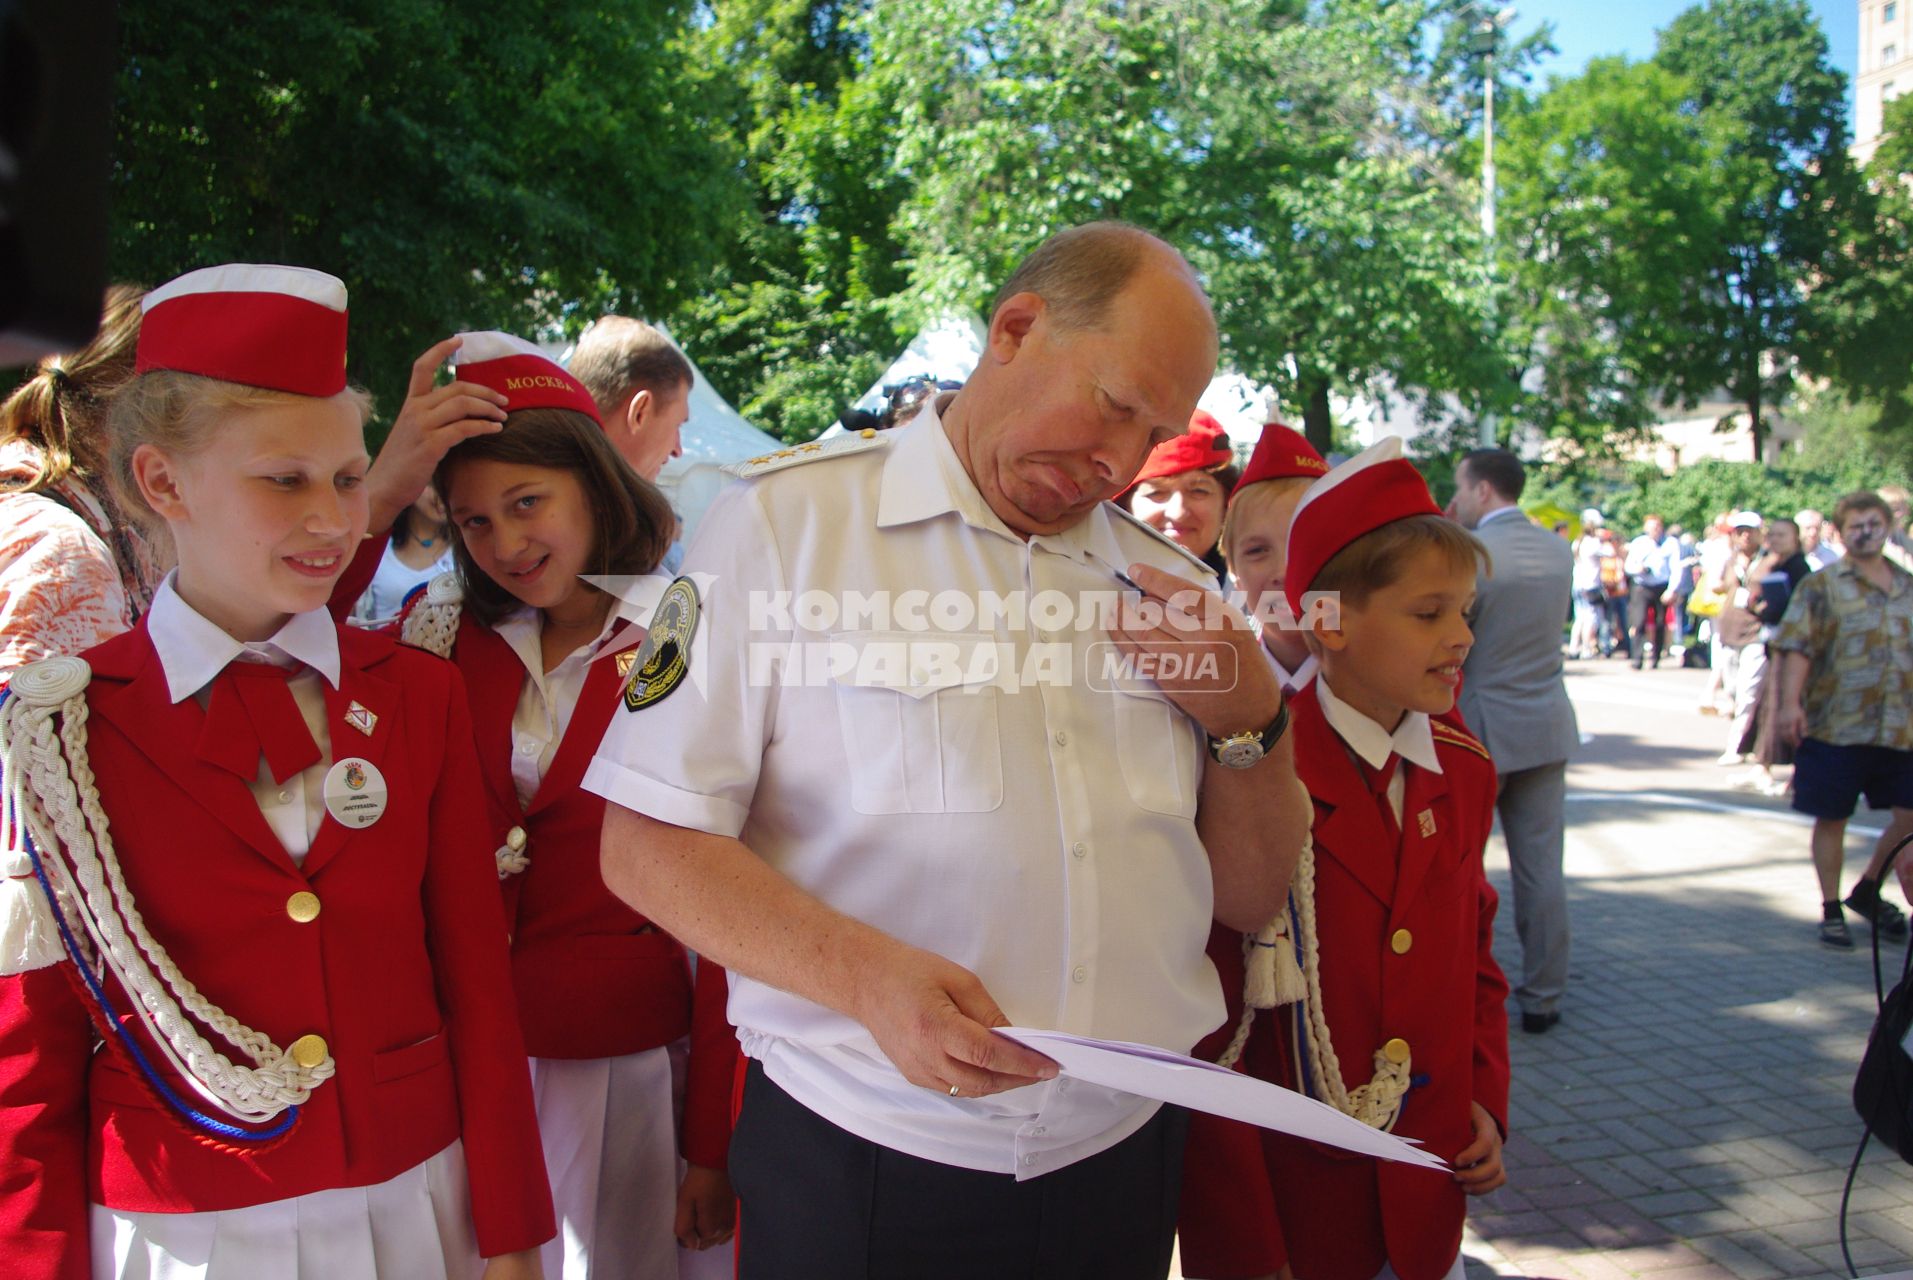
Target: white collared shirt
[
  {"x": 1498, "y": 513},
  {"x": 1293, "y": 682},
  {"x": 193, "y": 651},
  {"x": 1412, "y": 740},
  {"x": 1042, "y": 835},
  {"x": 547, "y": 699}
]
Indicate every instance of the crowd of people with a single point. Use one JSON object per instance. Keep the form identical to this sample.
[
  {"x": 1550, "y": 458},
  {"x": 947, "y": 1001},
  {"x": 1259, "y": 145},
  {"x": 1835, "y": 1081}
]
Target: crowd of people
[{"x": 406, "y": 877}]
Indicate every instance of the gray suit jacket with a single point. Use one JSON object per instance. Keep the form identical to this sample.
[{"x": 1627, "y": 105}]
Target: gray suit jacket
[{"x": 1511, "y": 694}]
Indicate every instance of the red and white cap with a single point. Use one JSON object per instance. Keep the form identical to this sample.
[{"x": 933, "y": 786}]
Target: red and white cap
[
  {"x": 1375, "y": 487},
  {"x": 1281, "y": 453},
  {"x": 529, "y": 378},
  {"x": 281, "y": 328},
  {"x": 1204, "y": 446}
]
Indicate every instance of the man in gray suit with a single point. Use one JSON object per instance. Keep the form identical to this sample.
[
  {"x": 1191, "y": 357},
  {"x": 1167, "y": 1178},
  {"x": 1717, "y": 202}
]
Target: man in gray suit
[{"x": 1513, "y": 698}]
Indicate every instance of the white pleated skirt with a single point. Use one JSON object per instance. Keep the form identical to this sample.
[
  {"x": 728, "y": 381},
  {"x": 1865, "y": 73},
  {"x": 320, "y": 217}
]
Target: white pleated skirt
[
  {"x": 609, "y": 1127},
  {"x": 418, "y": 1224}
]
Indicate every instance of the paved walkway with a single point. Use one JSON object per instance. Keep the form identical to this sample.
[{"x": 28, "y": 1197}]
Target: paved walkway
[{"x": 1689, "y": 1116}]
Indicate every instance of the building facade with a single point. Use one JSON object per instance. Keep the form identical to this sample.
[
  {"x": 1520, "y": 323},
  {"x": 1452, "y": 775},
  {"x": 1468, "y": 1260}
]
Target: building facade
[{"x": 1886, "y": 68}]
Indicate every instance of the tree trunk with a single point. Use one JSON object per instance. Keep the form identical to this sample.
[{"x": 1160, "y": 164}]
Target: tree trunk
[
  {"x": 1754, "y": 424},
  {"x": 1317, "y": 424}
]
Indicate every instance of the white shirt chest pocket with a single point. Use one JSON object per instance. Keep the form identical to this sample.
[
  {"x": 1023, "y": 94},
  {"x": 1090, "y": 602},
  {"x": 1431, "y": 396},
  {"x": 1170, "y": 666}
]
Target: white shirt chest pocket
[
  {"x": 918, "y": 712},
  {"x": 1161, "y": 750}
]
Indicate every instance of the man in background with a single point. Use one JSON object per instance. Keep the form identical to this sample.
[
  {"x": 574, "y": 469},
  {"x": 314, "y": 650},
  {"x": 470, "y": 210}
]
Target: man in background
[
  {"x": 1513, "y": 697},
  {"x": 642, "y": 386},
  {"x": 1846, "y": 700},
  {"x": 1652, "y": 560}
]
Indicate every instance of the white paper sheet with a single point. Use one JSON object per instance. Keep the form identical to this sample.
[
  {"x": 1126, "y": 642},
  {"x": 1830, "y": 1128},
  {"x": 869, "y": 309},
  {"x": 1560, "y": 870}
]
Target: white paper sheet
[{"x": 1203, "y": 1086}]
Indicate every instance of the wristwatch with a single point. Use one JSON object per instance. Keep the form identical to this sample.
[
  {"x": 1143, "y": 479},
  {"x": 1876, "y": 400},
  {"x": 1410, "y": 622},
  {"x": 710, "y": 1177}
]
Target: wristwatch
[{"x": 1242, "y": 750}]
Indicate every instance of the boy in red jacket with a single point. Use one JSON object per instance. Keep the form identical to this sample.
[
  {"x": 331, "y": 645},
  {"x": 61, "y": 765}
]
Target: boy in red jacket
[{"x": 1401, "y": 1019}]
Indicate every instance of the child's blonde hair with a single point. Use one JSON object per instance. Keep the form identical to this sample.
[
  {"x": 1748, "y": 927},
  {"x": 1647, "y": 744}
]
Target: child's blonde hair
[
  {"x": 179, "y": 413},
  {"x": 1252, "y": 501}
]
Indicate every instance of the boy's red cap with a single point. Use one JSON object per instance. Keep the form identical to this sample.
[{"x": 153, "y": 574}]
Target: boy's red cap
[
  {"x": 281, "y": 328},
  {"x": 528, "y": 377},
  {"x": 1282, "y": 452},
  {"x": 1203, "y": 446},
  {"x": 1375, "y": 487}
]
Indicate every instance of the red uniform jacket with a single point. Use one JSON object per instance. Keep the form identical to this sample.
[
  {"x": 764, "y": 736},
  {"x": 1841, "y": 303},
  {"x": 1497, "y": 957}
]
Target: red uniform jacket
[
  {"x": 403, "y": 972},
  {"x": 594, "y": 978},
  {"x": 1406, "y": 934}
]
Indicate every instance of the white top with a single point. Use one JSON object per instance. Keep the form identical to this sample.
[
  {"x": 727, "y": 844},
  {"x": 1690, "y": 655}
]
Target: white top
[
  {"x": 394, "y": 580},
  {"x": 1654, "y": 561},
  {"x": 193, "y": 651},
  {"x": 1293, "y": 682},
  {"x": 1037, "y": 831},
  {"x": 1822, "y": 556},
  {"x": 1412, "y": 740},
  {"x": 548, "y": 698}
]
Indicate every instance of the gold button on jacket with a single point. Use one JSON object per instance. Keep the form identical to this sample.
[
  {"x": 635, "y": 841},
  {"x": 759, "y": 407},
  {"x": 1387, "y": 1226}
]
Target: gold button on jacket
[
  {"x": 1396, "y": 1050},
  {"x": 303, "y": 906},
  {"x": 1401, "y": 942},
  {"x": 308, "y": 1051}
]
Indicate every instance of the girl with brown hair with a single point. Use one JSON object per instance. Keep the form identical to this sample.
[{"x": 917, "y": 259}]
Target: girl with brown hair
[{"x": 546, "y": 516}]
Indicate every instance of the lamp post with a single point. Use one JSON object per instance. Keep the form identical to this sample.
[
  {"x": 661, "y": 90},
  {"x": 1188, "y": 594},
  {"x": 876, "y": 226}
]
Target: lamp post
[{"x": 1486, "y": 39}]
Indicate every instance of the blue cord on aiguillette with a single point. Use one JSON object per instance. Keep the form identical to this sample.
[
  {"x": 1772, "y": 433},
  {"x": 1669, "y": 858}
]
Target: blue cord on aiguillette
[{"x": 198, "y": 1118}]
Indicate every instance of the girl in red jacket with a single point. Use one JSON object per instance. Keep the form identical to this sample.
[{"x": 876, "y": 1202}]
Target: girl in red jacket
[
  {"x": 242, "y": 856},
  {"x": 543, "y": 510}
]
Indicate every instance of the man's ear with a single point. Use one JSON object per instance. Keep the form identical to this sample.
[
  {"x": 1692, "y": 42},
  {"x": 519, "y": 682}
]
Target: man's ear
[
  {"x": 638, "y": 409},
  {"x": 1010, "y": 326},
  {"x": 158, "y": 478}
]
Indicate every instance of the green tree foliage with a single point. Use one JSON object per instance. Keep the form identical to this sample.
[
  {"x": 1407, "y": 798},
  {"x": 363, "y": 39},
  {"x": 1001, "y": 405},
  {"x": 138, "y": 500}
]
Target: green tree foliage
[
  {"x": 1867, "y": 309},
  {"x": 799, "y": 314},
  {"x": 458, "y": 166},
  {"x": 1673, "y": 221},
  {"x": 1288, "y": 148},
  {"x": 1790, "y": 195},
  {"x": 1609, "y": 210}
]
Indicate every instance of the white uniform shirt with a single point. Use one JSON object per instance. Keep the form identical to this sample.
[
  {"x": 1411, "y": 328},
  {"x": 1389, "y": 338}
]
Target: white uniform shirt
[
  {"x": 1041, "y": 834},
  {"x": 193, "y": 651},
  {"x": 1412, "y": 740},
  {"x": 548, "y": 698}
]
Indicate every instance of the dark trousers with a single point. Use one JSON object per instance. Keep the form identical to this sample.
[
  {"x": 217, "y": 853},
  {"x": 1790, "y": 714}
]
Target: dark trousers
[
  {"x": 1647, "y": 614},
  {"x": 818, "y": 1203}
]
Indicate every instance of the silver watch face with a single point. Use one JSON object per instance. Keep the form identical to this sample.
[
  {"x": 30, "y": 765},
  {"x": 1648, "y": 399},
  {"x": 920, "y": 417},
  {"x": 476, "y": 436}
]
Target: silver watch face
[{"x": 1239, "y": 753}]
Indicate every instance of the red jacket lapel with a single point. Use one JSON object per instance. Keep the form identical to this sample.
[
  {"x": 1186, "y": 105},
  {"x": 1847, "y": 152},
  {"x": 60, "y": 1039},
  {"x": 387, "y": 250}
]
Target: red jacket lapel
[
  {"x": 129, "y": 692},
  {"x": 1424, "y": 814},
  {"x": 596, "y": 701},
  {"x": 360, "y": 654},
  {"x": 1348, "y": 827},
  {"x": 494, "y": 677}
]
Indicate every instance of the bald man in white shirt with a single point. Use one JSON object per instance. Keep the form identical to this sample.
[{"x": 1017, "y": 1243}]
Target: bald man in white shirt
[{"x": 870, "y": 796}]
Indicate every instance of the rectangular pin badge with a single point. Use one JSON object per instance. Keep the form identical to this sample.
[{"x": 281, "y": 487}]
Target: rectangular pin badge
[
  {"x": 361, "y": 719},
  {"x": 1426, "y": 820}
]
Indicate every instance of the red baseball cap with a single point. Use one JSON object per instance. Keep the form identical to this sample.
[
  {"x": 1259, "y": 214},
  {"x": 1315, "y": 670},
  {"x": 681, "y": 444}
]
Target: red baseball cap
[
  {"x": 281, "y": 328},
  {"x": 1375, "y": 487},
  {"x": 1282, "y": 452},
  {"x": 1204, "y": 446},
  {"x": 529, "y": 377}
]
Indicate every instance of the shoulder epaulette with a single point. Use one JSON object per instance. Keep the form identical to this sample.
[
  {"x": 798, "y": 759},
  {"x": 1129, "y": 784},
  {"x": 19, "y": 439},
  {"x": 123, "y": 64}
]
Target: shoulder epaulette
[
  {"x": 1161, "y": 537},
  {"x": 816, "y": 450},
  {"x": 430, "y": 621},
  {"x": 1448, "y": 733}
]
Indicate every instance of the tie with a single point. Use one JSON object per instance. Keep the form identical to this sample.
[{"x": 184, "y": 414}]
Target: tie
[
  {"x": 252, "y": 713},
  {"x": 1378, "y": 780}
]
